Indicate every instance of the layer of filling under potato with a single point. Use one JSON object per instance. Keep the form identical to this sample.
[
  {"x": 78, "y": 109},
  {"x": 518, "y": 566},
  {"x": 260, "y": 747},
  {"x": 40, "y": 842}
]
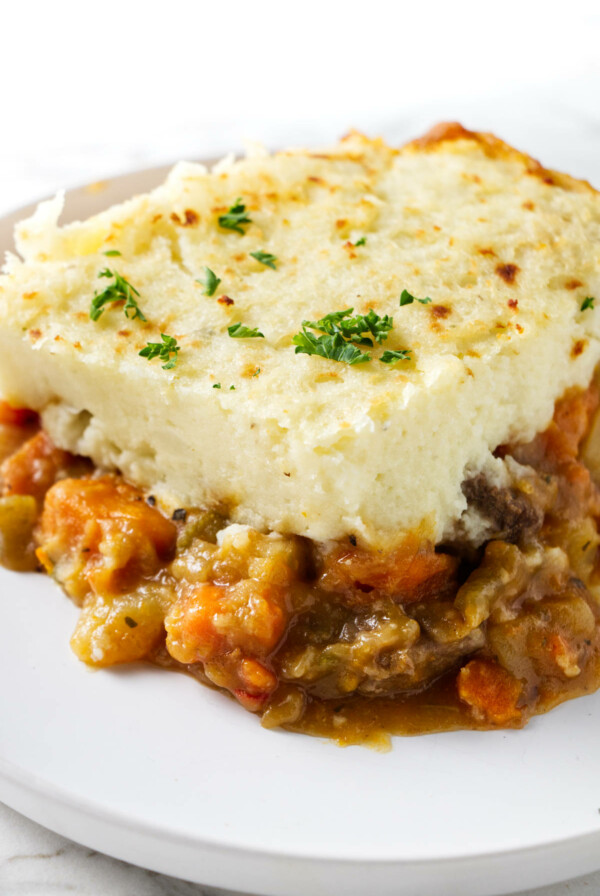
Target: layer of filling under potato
[{"x": 330, "y": 639}]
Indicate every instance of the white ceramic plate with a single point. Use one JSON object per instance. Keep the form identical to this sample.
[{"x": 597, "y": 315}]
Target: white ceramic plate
[{"x": 153, "y": 768}]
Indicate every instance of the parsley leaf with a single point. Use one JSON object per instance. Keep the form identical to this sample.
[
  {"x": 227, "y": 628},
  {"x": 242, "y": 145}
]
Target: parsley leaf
[
  {"x": 210, "y": 282},
  {"x": 111, "y": 253},
  {"x": 216, "y": 385},
  {"x": 162, "y": 350},
  {"x": 239, "y": 331},
  {"x": 120, "y": 290},
  {"x": 235, "y": 217},
  {"x": 588, "y": 303},
  {"x": 354, "y": 329},
  {"x": 265, "y": 258},
  {"x": 361, "y": 242},
  {"x": 329, "y": 346},
  {"x": 407, "y": 299},
  {"x": 390, "y": 356}
]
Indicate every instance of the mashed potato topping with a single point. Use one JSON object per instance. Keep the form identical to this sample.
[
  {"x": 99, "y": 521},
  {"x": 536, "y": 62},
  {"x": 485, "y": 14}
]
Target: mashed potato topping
[{"x": 507, "y": 253}]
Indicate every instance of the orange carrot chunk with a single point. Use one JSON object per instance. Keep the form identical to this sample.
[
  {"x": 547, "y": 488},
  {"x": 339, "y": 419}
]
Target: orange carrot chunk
[{"x": 492, "y": 693}]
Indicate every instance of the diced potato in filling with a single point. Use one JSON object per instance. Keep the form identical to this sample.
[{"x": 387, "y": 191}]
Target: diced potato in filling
[
  {"x": 18, "y": 516},
  {"x": 119, "y": 628}
]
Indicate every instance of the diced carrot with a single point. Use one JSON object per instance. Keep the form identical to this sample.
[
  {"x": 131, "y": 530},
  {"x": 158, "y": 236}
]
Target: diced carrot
[
  {"x": 411, "y": 572},
  {"x": 192, "y": 636},
  {"x": 32, "y": 469},
  {"x": 107, "y": 533},
  {"x": 491, "y": 691},
  {"x": 16, "y": 416},
  {"x": 572, "y": 416},
  {"x": 209, "y": 620}
]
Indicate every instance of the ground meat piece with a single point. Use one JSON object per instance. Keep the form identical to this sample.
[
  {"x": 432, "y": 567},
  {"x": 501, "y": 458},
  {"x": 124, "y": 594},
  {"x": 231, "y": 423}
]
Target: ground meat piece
[{"x": 511, "y": 513}]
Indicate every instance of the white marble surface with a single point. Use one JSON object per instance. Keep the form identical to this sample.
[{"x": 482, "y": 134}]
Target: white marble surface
[
  {"x": 37, "y": 862},
  {"x": 85, "y": 99}
]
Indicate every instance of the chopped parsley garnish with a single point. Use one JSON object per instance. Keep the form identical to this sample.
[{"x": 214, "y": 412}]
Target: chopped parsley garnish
[
  {"x": 210, "y": 282},
  {"x": 407, "y": 299},
  {"x": 216, "y": 385},
  {"x": 333, "y": 347},
  {"x": 587, "y": 303},
  {"x": 265, "y": 258},
  {"x": 119, "y": 291},
  {"x": 163, "y": 350},
  {"x": 342, "y": 335},
  {"x": 361, "y": 242},
  {"x": 390, "y": 356},
  {"x": 239, "y": 331},
  {"x": 354, "y": 329},
  {"x": 111, "y": 253},
  {"x": 235, "y": 218},
  {"x": 231, "y": 387}
]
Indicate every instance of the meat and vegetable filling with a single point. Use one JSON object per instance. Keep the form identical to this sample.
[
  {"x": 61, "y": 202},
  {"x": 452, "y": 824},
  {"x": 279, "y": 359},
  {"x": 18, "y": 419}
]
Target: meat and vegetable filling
[{"x": 331, "y": 638}]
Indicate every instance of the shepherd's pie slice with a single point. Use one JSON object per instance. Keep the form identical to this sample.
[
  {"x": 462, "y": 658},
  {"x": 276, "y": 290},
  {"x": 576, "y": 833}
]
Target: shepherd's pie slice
[{"x": 363, "y": 346}]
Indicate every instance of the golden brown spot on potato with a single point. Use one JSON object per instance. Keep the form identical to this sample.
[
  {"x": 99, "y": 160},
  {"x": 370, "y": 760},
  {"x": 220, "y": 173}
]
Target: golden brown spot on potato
[
  {"x": 349, "y": 247},
  {"x": 29, "y": 295},
  {"x": 442, "y": 132},
  {"x": 519, "y": 328},
  {"x": 225, "y": 300},
  {"x": 124, "y": 333},
  {"x": 508, "y": 272},
  {"x": 435, "y": 227},
  {"x": 440, "y": 311},
  {"x": 529, "y": 205},
  {"x": 340, "y": 223},
  {"x": 573, "y": 284},
  {"x": 156, "y": 218},
  {"x": 191, "y": 217},
  {"x": 578, "y": 348},
  {"x": 487, "y": 251},
  {"x": 513, "y": 303},
  {"x": 35, "y": 334},
  {"x": 315, "y": 180},
  {"x": 77, "y": 345}
]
